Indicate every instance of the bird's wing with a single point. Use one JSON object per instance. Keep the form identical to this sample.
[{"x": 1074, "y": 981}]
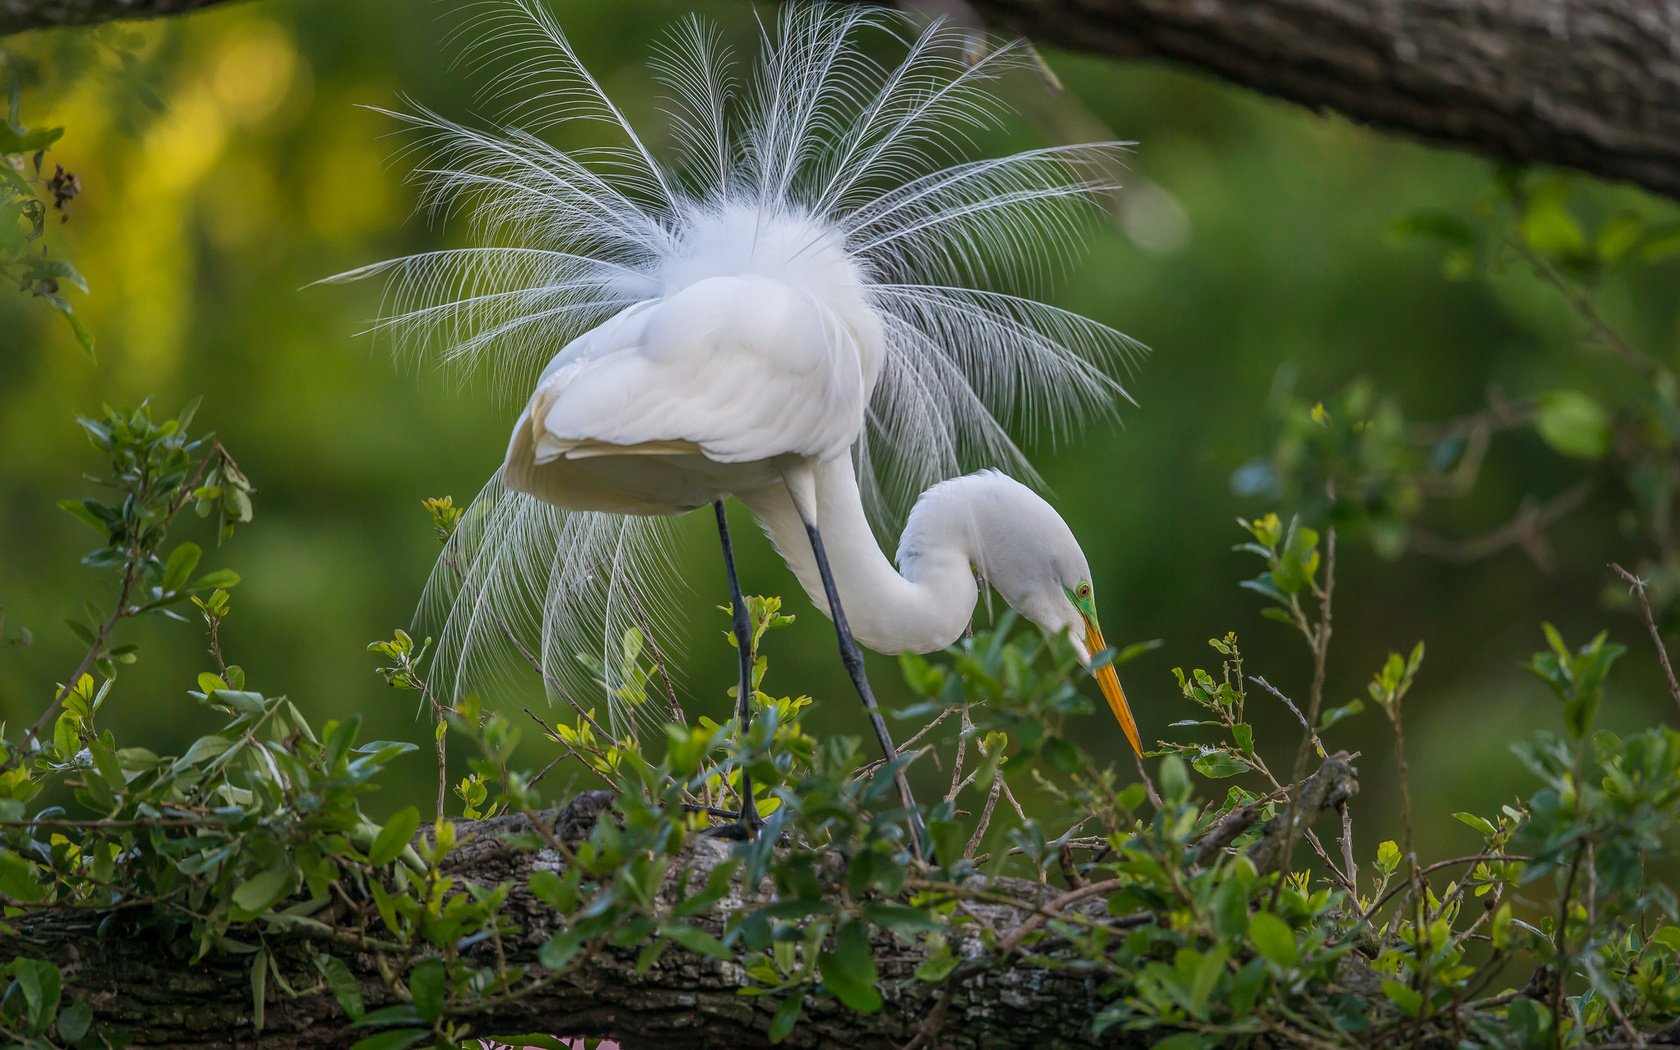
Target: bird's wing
[{"x": 739, "y": 367}]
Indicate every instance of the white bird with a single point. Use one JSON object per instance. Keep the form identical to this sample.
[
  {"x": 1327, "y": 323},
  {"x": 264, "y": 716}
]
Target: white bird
[{"x": 787, "y": 313}]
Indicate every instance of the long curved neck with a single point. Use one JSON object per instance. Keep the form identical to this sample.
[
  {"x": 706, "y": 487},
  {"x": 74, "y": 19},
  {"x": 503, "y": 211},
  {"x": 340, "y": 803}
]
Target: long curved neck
[{"x": 925, "y": 608}]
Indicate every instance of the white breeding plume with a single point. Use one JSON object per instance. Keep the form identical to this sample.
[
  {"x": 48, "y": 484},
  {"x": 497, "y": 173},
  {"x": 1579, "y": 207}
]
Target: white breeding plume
[{"x": 804, "y": 269}]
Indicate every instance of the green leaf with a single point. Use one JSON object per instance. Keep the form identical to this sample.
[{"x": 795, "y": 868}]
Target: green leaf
[
  {"x": 787, "y": 1015},
  {"x": 1618, "y": 236},
  {"x": 1573, "y": 424},
  {"x": 18, "y": 879},
  {"x": 428, "y": 984},
  {"x": 222, "y": 578},
  {"x": 1481, "y": 824},
  {"x": 16, "y": 140},
  {"x": 74, "y": 1021},
  {"x": 698, "y": 941},
  {"x": 41, "y": 985},
  {"x": 343, "y": 985},
  {"x": 849, "y": 970},
  {"x": 1407, "y": 999},
  {"x": 936, "y": 968},
  {"x": 397, "y": 1039},
  {"x": 1548, "y": 227},
  {"x": 397, "y": 833},
  {"x": 1388, "y": 857},
  {"x": 1243, "y": 734},
  {"x": 1660, "y": 244},
  {"x": 259, "y": 988},
  {"x": 256, "y": 894},
  {"x": 1219, "y": 764},
  {"x": 182, "y": 561},
  {"x": 1273, "y": 939}
]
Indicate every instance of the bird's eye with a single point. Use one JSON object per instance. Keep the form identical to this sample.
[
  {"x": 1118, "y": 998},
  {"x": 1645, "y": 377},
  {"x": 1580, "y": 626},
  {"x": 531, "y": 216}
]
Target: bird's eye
[{"x": 1084, "y": 590}]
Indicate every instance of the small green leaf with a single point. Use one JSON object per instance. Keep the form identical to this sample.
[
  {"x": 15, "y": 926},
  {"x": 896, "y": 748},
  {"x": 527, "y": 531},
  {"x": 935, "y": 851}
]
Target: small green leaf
[
  {"x": 343, "y": 985},
  {"x": 259, "y": 988},
  {"x": 396, "y": 1039},
  {"x": 182, "y": 561},
  {"x": 74, "y": 1021},
  {"x": 1407, "y": 999},
  {"x": 397, "y": 833},
  {"x": 256, "y": 894},
  {"x": 19, "y": 880},
  {"x": 698, "y": 941},
  {"x": 216, "y": 578},
  {"x": 787, "y": 1015},
  {"x": 1481, "y": 824},
  {"x": 1273, "y": 939},
  {"x": 849, "y": 970},
  {"x": 428, "y": 984},
  {"x": 1573, "y": 424},
  {"x": 1219, "y": 764},
  {"x": 1388, "y": 857}
]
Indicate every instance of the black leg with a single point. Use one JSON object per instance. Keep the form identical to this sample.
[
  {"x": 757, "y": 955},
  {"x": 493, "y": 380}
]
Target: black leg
[
  {"x": 747, "y": 820},
  {"x": 852, "y": 657}
]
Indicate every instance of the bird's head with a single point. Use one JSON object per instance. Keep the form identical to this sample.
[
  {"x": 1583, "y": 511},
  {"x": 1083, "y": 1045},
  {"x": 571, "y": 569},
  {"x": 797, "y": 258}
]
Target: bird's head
[
  {"x": 1060, "y": 597},
  {"x": 1022, "y": 547}
]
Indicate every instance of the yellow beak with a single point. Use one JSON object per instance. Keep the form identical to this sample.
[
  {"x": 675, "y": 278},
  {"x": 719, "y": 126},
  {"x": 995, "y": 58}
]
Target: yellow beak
[{"x": 1109, "y": 683}]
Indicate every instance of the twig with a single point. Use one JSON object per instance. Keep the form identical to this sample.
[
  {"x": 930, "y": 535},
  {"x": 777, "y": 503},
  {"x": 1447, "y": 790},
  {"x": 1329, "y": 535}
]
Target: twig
[
  {"x": 1347, "y": 851},
  {"x": 1527, "y": 530},
  {"x": 1318, "y": 744},
  {"x": 554, "y": 735},
  {"x": 646, "y": 627},
  {"x": 1637, "y": 586},
  {"x": 1583, "y": 305},
  {"x": 1319, "y": 639},
  {"x": 1473, "y": 858}
]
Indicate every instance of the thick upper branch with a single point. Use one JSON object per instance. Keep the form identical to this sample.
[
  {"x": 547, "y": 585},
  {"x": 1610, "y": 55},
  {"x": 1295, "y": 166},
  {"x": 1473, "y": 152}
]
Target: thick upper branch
[
  {"x": 1587, "y": 84},
  {"x": 18, "y": 15}
]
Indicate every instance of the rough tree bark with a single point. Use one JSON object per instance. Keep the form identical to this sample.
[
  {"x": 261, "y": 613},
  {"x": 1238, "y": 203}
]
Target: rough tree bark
[
  {"x": 137, "y": 979},
  {"x": 1586, "y": 84},
  {"x": 18, "y": 15}
]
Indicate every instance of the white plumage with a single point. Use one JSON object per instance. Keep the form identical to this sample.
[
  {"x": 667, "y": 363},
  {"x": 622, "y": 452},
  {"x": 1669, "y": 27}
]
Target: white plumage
[{"x": 792, "y": 308}]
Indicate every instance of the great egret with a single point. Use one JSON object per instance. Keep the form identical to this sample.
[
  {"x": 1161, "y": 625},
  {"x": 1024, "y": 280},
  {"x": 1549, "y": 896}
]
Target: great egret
[{"x": 790, "y": 300}]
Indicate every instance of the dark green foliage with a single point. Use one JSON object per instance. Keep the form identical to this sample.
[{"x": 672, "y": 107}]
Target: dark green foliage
[{"x": 1552, "y": 934}]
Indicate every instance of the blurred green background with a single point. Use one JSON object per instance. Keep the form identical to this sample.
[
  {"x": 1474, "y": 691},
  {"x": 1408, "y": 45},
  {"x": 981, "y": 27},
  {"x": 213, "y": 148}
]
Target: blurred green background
[{"x": 226, "y": 164}]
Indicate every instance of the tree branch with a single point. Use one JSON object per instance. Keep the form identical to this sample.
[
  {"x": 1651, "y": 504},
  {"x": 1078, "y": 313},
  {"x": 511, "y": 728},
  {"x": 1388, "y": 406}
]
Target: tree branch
[
  {"x": 135, "y": 978},
  {"x": 18, "y": 15},
  {"x": 1586, "y": 84}
]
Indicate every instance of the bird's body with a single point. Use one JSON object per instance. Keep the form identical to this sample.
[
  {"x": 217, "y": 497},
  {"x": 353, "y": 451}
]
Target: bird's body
[
  {"x": 719, "y": 384},
  {"x": 787, "y": 314}
]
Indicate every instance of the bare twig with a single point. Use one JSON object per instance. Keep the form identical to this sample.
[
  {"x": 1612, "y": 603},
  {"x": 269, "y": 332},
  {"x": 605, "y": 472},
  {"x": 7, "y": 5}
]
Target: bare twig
[
  {"x": 1637, "y": 586},
  {"x": 1318, "y": 744},
  {"x": 1527, "y": 530},
  {"x": 1318, "y": 638}
]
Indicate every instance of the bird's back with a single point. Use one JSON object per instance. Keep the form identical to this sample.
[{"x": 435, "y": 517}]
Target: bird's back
[{"x": 680, "y": 399}]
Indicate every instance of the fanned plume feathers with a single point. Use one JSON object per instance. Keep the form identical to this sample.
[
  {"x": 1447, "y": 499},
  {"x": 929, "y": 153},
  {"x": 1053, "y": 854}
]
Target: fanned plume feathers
[{"x": 820, "y": 136}]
